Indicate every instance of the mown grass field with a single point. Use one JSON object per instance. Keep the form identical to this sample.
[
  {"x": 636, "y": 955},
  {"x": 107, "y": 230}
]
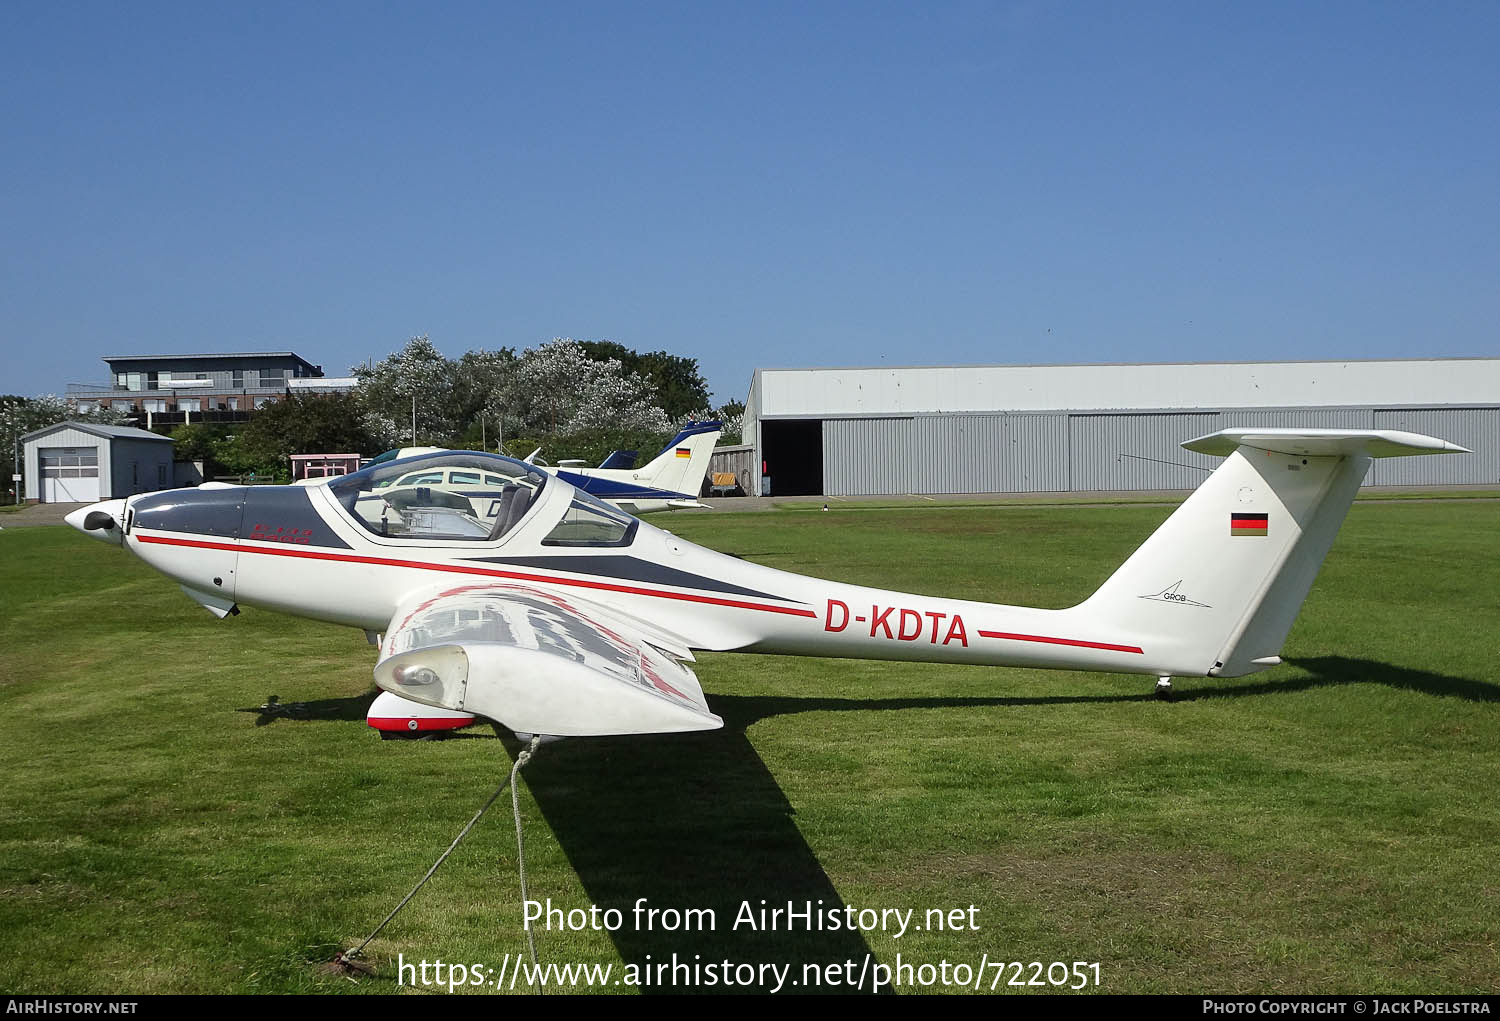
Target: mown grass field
[{"x": 1327, "y": 826}]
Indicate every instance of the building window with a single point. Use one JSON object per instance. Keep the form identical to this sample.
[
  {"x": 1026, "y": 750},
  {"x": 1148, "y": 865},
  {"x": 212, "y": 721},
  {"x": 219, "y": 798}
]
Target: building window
[
  {"x": 155, "y": 405},
  {"x": 68, "y": 462},
  {"x": 237, "y": 379},
  {"x": 125, "y": 406},
  {"x": 84, "y": 407},
  {"x": 189, "y": 404},
  {"x": 261, "y": 402}
]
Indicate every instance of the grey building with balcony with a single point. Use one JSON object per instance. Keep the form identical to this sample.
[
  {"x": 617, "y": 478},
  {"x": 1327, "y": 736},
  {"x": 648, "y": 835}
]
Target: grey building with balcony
[{"x": 157, "y": 390}]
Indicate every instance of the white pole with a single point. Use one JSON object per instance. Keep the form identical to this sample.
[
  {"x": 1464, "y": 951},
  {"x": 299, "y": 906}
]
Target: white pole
[{"x": 414, "y": 420}]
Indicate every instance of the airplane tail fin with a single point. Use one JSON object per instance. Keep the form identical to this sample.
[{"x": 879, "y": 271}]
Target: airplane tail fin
[
  {"x": 682, "y": 463},
  {"x": 620, "y": 460},
  {"x": 1216, "y": 588}
]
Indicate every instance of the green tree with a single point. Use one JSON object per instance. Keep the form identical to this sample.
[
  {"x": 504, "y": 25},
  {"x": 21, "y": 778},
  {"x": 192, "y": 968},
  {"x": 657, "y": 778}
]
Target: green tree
[
  {"x": 590, "y": 445},
  {"x": 306, "y": 424},
  {"x": 196, "y": 442}
]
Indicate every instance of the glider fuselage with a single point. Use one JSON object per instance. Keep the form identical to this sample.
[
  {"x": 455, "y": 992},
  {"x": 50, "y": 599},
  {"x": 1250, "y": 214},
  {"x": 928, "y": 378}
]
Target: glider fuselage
[{"x": 294, "y": 549}]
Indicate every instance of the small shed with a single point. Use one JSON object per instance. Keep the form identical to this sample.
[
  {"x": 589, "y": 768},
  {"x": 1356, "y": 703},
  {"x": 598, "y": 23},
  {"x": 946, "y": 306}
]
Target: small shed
[
  {"x": 82, "y": 462},
  {"x": 323, "y": 466}
]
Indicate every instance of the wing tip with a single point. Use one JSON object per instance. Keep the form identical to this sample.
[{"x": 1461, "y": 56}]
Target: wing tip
[{"x": 1323, "y": 442}]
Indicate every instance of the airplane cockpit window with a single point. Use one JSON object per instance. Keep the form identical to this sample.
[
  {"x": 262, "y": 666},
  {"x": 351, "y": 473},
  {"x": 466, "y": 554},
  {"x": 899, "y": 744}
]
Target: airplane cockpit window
[
  {"x": 592, "y": 522},
  {"x": 457, "y": 495}
]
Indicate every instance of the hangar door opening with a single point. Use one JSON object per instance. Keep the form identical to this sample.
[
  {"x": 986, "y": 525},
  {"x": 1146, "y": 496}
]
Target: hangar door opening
[{"x": 793, "y": 455}]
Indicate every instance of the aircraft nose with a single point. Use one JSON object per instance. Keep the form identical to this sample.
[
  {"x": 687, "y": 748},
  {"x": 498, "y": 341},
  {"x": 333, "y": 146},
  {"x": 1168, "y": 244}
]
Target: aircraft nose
[{"x": 100, "y": 521}]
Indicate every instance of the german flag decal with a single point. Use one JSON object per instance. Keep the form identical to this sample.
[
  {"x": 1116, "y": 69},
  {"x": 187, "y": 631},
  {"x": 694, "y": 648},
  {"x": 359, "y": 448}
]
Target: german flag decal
[
  {"x": 684, "y": 452},
  {"x": 1248, "y": 524}
]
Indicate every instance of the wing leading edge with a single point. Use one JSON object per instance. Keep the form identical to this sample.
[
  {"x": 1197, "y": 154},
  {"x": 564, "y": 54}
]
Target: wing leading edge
[{"x": 540, "y": 664}]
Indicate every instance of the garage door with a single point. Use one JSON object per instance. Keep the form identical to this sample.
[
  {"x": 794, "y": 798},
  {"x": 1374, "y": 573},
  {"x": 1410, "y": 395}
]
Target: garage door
[{"x": 69, "y": 474}]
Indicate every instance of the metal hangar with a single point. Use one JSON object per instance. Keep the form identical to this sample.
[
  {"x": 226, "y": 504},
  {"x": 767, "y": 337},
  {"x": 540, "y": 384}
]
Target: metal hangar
[{"x": 1059, "y": 428}]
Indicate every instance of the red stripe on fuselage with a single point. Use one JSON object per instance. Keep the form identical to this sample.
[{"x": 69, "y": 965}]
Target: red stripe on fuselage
[
  {"x": 488, "y": 572},
  {"x": 1061, "y": 641}
]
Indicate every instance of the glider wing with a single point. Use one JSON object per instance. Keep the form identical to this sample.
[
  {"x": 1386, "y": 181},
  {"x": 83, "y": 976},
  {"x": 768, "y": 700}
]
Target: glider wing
[{"x": 540, "y": 664}]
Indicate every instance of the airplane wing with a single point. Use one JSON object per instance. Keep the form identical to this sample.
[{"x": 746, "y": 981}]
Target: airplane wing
[{"x": 540, "y": 664}]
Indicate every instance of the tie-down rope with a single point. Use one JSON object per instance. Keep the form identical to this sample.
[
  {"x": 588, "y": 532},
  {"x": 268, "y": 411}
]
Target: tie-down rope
[{"x": 346, "y": 959}]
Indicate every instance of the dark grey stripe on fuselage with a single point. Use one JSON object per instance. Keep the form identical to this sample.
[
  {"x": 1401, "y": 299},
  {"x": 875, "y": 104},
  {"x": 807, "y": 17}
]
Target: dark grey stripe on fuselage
[
  {"x": 216, "y": 512},
  {"x": 261, "y": 513},
  {"x": 286, "y": 514},
  {"x": 630, "y": 569}
]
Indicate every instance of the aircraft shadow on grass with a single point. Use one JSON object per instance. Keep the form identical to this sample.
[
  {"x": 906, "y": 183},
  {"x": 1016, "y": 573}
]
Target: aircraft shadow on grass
[
  {"x": 698, "y": 820},
  {"x": 348, "y": 709},
  {"x": 688, "y": 821},
  {"x": 1327, "y": 671},
  {"x": 740, "y": 711},
  {"x": 352, "y": 707}
]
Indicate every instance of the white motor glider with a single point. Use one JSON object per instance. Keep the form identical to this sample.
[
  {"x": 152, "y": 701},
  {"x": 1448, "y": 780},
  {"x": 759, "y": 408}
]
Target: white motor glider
[{"x": 551, "y": 612}]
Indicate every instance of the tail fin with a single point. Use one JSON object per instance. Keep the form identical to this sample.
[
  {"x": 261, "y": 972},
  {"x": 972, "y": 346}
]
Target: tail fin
[
  {"x": 682, "y": 463},
  {"x": 623, "y": 460},
  {"x": 1217, "y": 587}
]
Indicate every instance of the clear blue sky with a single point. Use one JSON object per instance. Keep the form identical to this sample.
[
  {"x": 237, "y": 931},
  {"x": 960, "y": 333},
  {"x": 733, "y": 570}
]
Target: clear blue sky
[{"x": 753, "y": 185}]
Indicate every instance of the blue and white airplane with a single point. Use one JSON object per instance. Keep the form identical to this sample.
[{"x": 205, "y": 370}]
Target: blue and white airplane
[{"x": 669, "y": 481}]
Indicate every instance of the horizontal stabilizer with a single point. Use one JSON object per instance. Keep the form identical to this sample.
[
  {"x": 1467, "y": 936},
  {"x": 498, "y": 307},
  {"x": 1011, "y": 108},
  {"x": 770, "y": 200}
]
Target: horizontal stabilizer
[{"x": 1323, "y": 442}]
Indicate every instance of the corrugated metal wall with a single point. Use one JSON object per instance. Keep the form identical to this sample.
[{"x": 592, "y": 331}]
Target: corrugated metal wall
[
  {"x": 944, "y": 454},
  {"x": 1061, "y": 451},
  {"x": 1033, "y": 443},
  {"x": 865, "y": 456},
  {"x": 1108, "y": 452},
  {"x": 1475, "y": 428}
]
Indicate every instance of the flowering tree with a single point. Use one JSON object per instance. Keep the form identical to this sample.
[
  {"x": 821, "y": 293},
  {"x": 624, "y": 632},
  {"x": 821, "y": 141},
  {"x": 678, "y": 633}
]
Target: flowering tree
[
  {"x": 417, "y": 373},
  {"x": 731, "y": 414},
  {"x": 558, "y": 389}
]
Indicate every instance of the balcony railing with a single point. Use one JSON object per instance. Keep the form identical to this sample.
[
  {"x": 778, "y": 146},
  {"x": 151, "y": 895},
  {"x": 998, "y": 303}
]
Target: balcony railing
[
  {"x": 185, "y": 417},
  {"x": 104, "y": 391}
]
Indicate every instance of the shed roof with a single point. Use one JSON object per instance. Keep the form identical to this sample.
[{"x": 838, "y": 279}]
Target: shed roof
[{"x": 113, "y": 432}]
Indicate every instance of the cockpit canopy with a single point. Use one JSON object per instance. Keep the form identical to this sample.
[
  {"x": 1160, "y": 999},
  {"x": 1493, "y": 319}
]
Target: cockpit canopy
[
  {"x": 468, "y": 496},
  {"x": 451, "y": 494}
]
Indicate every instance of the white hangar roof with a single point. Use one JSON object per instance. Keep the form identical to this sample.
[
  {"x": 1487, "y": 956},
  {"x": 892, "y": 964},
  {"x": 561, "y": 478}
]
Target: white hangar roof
[{"x": 820, "y": 393}]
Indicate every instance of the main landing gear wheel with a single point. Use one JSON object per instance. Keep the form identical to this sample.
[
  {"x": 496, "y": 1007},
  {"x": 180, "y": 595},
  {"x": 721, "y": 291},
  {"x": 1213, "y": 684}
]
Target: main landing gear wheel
[{"x": 1164, "y": 688}]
